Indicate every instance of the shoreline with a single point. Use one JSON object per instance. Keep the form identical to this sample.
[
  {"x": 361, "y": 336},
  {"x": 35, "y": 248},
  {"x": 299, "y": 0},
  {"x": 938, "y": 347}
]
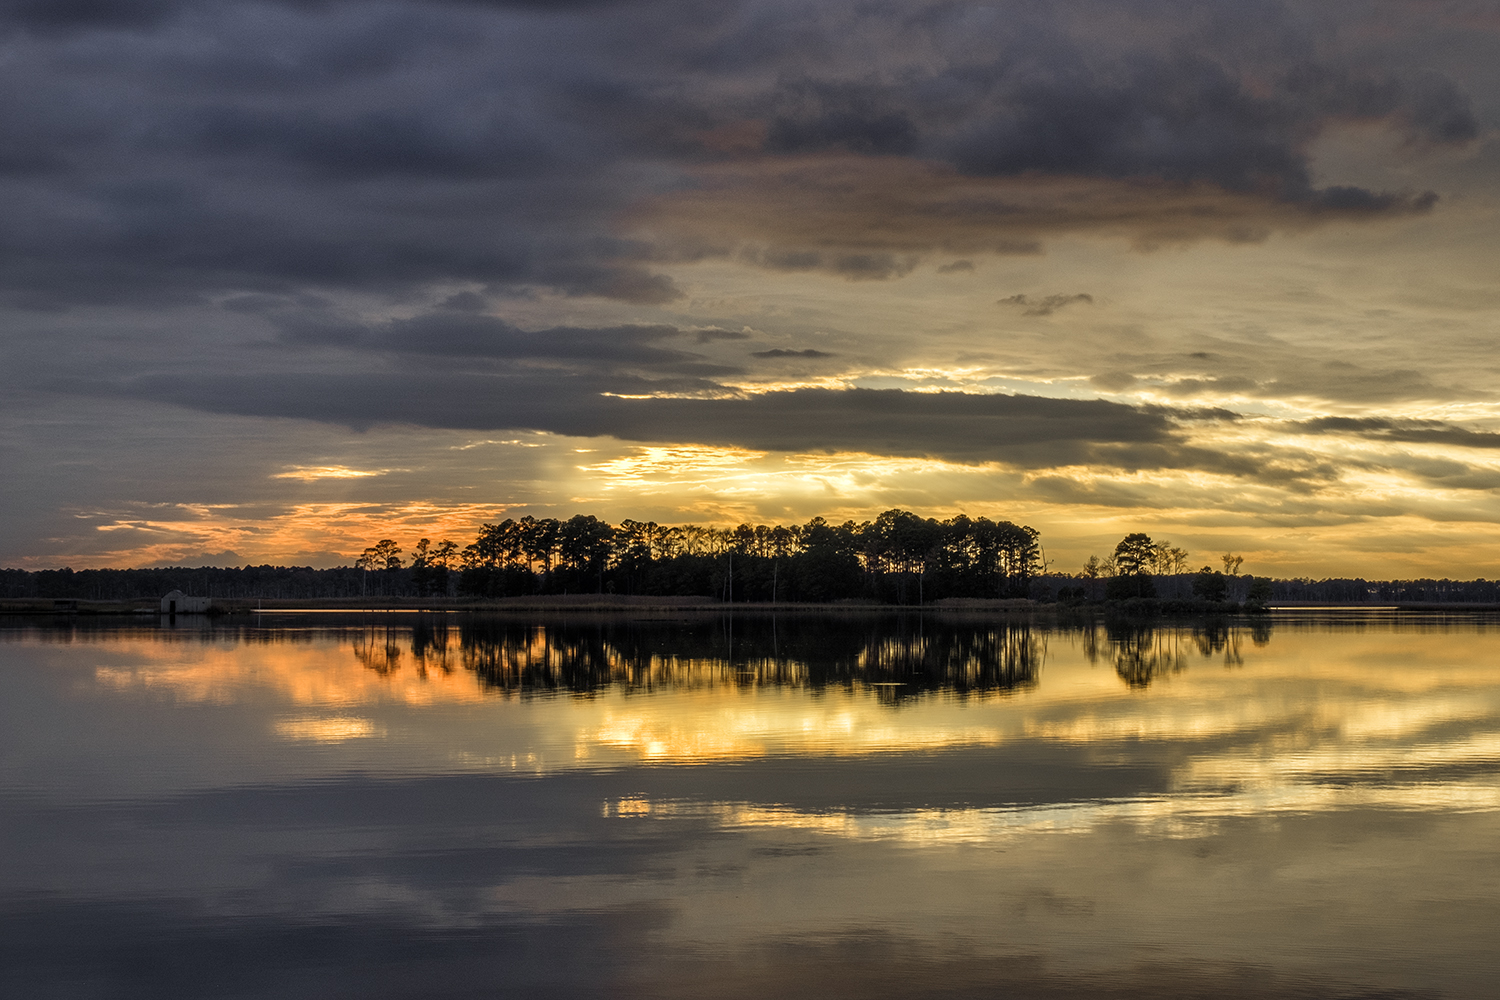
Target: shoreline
[{"x": 222, "y": 607}]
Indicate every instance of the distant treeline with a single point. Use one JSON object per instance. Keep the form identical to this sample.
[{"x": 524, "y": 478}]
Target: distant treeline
[
  {"x": 1387, "y": 591},
  {"x": 143, "y": 584},
  {"x": 1337, "y": 590},
  {"x": 898, "y": 558}
]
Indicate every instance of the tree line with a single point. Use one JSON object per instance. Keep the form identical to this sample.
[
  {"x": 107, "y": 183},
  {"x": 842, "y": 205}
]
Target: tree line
[
  {"x": 1138, "y": 562},
  {"x": 897, "y": 558}
]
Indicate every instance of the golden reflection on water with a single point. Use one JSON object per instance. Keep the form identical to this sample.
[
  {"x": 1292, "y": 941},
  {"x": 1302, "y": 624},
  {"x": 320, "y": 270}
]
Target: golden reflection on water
[
  {"x": 426, "y": 665},
  {"x": 1167, "y": 816},
  {"x": 303, "y": 671},
  {"x": 332, "y": 729},
  {"x": 1264, "y": 721},
  {"x": 724, "y": 725}
]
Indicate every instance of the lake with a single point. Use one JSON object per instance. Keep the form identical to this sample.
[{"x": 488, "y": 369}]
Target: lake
[{"x": 757, "y": 805}]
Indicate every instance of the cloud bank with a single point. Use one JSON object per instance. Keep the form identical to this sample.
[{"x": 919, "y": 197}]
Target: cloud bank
[{"x": 158, "y": 151}]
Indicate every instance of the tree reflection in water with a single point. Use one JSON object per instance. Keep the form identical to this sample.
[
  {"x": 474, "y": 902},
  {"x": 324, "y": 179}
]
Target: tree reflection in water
[
  {"x": 430, "y": 647},
  {"x": 900, "y": 656},
  {"x": 1142, "y": 653},
  {"x": 379, "y": 646},
  {"x": 379, "y": 649}
]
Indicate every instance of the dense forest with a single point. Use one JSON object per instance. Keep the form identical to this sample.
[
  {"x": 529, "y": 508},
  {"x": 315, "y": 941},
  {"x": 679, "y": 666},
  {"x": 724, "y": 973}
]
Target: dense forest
[{"x": 898, "y": 558}]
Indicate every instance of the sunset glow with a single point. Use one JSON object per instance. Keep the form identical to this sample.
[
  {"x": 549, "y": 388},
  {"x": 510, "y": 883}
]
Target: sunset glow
[{"x": 1219, "y": 275}]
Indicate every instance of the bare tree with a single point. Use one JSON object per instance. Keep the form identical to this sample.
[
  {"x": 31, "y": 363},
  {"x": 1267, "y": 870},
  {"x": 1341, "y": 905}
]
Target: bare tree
[{"x": 1161, "y": 557}]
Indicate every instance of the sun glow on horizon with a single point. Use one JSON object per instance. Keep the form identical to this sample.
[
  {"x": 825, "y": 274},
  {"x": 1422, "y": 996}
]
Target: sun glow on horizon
[{"x": 258, "y": 535}]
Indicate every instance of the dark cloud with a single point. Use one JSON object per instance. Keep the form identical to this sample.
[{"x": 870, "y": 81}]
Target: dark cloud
[
  {"x": 1190, "y": 117},
  {"x": 1428, "y": 105},
  {"x": 51, "y": 16},
  {"x": 780, "y": 352},
  {"x": 714, "y": 333},
  {"x": 808, "y": 213},
  {"x": 403, "y": 142},
  {"x": 368, "y": 147},
  {"x": 855, "y": 266},
  {"x": 1186, "y": 387},
  {"x": 1194, "y": 121},
  {"x": 1180, "y": 118},
  {"x": 1407, "y": 431},
  {"x": 837, "y": 115},
  {"x": 953, "y": 267},
  {"x": 641, "y": 398},
  {"x": 468, "y": 336},
  {"x": 1438, "y": 112},
  {"x": 953, "y": 426},
  {"x": 72, "y": 15},
  {"x": 247, "y": 146},
  {"x": 1045, "y": 306},
  {"x": 465, "y": 302},
  {"x": 958, "y": 427}
]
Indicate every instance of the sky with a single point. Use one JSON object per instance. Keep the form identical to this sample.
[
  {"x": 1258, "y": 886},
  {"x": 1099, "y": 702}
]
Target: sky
[{"x": 278, "y": 279}]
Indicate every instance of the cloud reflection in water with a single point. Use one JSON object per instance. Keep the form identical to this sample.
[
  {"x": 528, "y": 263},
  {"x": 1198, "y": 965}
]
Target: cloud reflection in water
[{"x": 951, "y": 784}]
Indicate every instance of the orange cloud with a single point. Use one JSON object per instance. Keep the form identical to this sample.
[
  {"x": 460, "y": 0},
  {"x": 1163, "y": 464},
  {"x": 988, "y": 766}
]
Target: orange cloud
[{"x": 178, "y": 533}]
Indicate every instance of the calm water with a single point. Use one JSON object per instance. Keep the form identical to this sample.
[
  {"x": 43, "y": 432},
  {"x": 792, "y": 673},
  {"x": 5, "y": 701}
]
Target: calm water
[{"x": 419, "y": 806}]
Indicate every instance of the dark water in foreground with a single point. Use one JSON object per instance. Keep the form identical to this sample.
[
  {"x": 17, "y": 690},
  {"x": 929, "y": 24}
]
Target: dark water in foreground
[{"x": 430, "y": 806}]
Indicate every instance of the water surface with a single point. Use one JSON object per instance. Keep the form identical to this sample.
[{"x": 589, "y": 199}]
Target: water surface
[{"x": 859, "y": 805}]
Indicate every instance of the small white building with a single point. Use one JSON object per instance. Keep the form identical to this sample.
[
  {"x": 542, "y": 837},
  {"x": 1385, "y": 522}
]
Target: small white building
[{"x": 178, "y": 603}]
